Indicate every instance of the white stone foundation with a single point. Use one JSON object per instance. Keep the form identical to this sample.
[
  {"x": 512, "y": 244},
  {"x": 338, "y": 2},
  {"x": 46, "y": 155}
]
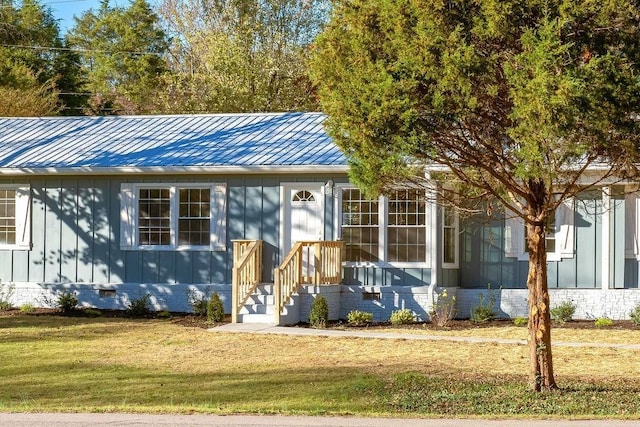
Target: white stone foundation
[{"x": 615, "y": 304}]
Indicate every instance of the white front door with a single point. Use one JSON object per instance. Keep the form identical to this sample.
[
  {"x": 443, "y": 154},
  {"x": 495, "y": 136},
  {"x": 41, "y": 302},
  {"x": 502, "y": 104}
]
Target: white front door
[{"x": 304, "y": 217}]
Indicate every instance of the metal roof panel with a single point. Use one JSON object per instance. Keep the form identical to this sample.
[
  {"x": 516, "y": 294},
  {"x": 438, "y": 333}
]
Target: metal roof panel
[{"x": 248, "y": 140}]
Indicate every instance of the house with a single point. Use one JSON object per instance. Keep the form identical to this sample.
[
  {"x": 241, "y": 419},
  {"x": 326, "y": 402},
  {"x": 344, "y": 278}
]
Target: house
[{"x": 115, "y": 208}]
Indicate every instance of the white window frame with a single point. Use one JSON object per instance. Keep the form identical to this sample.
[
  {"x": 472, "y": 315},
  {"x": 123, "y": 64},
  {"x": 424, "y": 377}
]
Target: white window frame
[
  {"x": 383, "y": 210},
  {"x": 23, "y": 202},
  {"x": 456, "y": 240},
  {"x": 129, "y": 215},
  {"x": 514, "y": 232},
  {"x": 632, "y": 226}
]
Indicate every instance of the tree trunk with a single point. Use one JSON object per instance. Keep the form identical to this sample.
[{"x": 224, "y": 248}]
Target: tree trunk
[{"x": 541, "y": 372}]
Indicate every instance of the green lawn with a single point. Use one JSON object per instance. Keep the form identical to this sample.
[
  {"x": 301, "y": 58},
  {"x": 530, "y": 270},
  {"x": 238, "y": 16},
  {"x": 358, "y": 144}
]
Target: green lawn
[{"x": 54, "y": 363}]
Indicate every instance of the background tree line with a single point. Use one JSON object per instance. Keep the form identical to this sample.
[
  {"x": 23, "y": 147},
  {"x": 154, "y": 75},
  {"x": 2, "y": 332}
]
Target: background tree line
[{"x": 185, "y": 56}]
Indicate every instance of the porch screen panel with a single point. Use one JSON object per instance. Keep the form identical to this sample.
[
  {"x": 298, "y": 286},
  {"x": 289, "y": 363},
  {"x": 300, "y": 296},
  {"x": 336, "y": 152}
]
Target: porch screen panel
[
  {"x": 406, "y": 232},
  {"x": 7, "y": 217},
  {"x": 154, "y": 217},
  {"x": 360, "y": 225},
  {"x": 194, "y": 222}
]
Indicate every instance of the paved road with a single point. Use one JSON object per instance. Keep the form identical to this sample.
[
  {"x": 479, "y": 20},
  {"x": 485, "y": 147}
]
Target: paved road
[{"x": 111, "y": 420}]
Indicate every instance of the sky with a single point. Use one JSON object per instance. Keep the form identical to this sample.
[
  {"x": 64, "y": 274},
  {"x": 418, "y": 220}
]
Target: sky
[{"x": 64, "y": 10}]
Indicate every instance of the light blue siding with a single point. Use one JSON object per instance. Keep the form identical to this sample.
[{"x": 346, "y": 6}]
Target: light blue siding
[
  {"x": 588, "y": 231},
  {"x": 388, "y": 276}
]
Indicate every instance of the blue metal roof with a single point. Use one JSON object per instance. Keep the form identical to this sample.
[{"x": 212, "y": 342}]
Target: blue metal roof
[{"x": 228, "y": 140}]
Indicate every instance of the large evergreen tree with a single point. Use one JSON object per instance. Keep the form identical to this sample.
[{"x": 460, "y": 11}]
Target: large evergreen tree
[
  {"x": 122, "y": 52},
  {"x": 35, "y": 67},
  {"x": 514, "y": 100}
]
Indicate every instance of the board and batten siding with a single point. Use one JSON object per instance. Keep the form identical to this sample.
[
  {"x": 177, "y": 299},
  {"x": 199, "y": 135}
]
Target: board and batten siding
[
  {"x": 75, "y": 225},
  {"x": 484, "y": 262}
]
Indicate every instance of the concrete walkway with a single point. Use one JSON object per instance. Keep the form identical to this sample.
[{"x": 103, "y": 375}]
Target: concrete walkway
[{"x": 260, "y": 328}]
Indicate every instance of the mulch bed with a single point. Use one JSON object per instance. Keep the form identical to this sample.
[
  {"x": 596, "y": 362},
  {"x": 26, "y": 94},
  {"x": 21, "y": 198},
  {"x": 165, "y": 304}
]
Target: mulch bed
[
  {"x": 456, "y": 325},
  {"x": 191, "y": 320}
]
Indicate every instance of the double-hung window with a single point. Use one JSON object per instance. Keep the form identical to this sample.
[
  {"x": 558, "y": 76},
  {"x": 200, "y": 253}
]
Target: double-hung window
[
  {"x": 177, "y": 216},
  {"x": 389, "y": 229},
  {"x": 15, "y": 217}
]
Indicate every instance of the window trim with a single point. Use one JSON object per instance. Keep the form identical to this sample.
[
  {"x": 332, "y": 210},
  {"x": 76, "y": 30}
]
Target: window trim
[
  {"x": 129, "y": 216},
  {"x": 456, "y": 241},
  {"x": 22, "y": 218},
  {"x": 632, "y": 226},
  {"x": 514, "y": 242},
  {"x": 383, "y": 222}
]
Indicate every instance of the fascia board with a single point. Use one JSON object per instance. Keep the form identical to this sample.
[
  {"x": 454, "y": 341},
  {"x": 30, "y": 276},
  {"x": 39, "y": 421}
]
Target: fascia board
[{"x": 186, "y": 170}]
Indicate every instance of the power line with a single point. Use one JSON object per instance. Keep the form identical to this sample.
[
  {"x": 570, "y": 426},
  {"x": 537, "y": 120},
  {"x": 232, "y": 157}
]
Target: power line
[{"x": 75, "y": 49}]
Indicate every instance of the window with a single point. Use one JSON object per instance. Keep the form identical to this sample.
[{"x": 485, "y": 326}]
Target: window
[
  {"x": 180, "y": 216},
  {"x": 406, "y": 230},
  {"x": 194, "y": 223},
  {"x": 7, "y": 216},
  {"x": 550, "y": 235},
  {"x": 154, "y": 217},
  {"x": 360, "y": 226},
  {"x": 304, "y": 196},
  {"x": 389, "y": 229},
  {"x": 15, "y": 217},
  {"x": 559, "y": 235},
  {"x": 449, "y": 237}
]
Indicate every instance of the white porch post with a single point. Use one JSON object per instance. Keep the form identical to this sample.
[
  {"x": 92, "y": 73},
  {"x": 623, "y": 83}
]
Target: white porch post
[
  {"x": 606, "y": 237},
  {"x": 432, "y": 230}
]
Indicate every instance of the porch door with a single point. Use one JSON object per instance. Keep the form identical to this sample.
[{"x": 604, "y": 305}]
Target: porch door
[{"x": 304, "y": 219}]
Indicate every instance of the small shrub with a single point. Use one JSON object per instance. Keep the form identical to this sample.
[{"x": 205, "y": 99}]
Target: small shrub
[
  {"x": 215, "y": 308},
  {"x": 603, "y": 322},
  {"x": 6, "y": 291},
  {"x": 67, "y": 302},
  {"x": 520, "y": 321},
  {"x": 357, "y": 317},
  {"x": 402, "y": 317},
  {"x": 139, "y": 307},
  {"x": 164, "y": 314},
  {"x": 483, "y": 311},
  {"x": 444, "y": 309},
  {"x": 92, "y": 312},
  {"x": 198, "y": 303},
  {"x": 635, "y": 315},
  {"x": 319, "y": 314},
  {"x": 563, "y": 312},
  {"x": 27, "y": 308}
]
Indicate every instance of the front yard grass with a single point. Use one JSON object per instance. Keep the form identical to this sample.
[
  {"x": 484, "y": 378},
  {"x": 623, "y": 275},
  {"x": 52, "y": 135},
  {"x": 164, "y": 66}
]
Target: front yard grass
[{"x": 51, "y": 363}]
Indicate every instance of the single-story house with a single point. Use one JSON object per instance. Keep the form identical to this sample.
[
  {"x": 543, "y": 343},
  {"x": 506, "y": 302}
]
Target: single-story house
[{"x": 115, "y": 208}]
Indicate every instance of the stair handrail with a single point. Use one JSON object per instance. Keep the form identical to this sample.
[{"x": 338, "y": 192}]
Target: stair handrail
[
  {"x": 246, "y": 274},
  {"x": 326, "y": 265}
]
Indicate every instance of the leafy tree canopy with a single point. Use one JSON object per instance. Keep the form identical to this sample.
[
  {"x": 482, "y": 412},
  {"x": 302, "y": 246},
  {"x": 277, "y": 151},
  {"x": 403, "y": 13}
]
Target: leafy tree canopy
[
  {"x": 503, "y": 93},
  {"x": 241, "y": 55},
  {"x": 33, "y": 61},
  {"x": 515, "y": 100}
]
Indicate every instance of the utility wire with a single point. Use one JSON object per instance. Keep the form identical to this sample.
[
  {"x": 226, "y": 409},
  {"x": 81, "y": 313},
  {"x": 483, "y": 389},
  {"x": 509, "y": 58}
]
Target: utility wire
[{"x": 75, "y": 49}]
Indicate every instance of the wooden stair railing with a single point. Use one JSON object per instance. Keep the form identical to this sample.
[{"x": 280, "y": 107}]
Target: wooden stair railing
[
  {"x": 309, "y": 262},
  {"x": 247, "y": 273}
]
